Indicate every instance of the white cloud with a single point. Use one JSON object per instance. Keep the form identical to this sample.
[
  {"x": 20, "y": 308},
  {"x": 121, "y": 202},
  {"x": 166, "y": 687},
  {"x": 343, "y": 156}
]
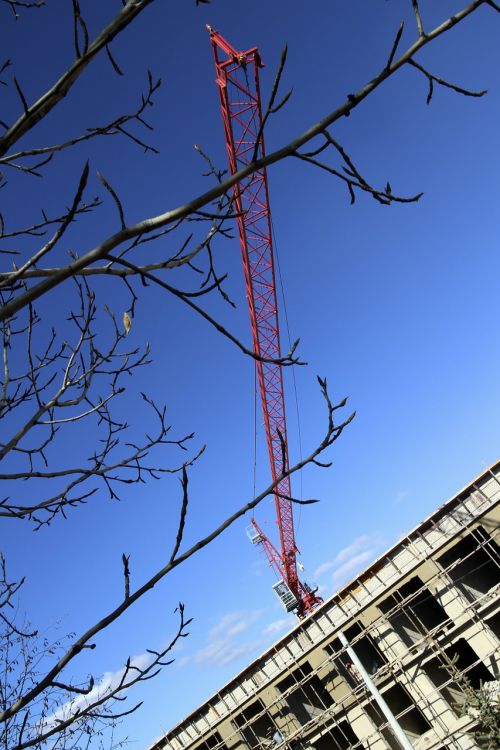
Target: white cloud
[
  {"x": 222, "y": 645},
  {"x": 234, "y": 623},
  {"x": 277, "y": 626},
  {"x": 219, "y": 653},
  {"x": 324, "y": 568},
  {"x": 353, "y": 549},
  {"x": 353, "y": 565},
  {"x": 351, "y": 559}
]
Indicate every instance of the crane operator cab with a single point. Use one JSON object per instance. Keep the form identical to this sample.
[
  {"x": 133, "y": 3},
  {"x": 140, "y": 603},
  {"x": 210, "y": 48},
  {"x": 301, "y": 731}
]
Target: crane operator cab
[
  {"x": 254, "y": 535},
  {"x": 286, "y": 596}
]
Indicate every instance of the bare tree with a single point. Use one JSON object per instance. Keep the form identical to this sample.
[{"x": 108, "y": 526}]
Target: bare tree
[{"x": 56, "y": 375}]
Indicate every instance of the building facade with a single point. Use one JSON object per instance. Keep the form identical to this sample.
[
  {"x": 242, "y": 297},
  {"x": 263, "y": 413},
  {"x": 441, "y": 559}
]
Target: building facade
[{"x": 382, "y": 663}]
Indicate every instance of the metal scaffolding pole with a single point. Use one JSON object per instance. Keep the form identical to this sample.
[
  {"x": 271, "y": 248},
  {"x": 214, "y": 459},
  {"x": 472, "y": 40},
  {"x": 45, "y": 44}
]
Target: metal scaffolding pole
[{"x": 400, "y": 735}]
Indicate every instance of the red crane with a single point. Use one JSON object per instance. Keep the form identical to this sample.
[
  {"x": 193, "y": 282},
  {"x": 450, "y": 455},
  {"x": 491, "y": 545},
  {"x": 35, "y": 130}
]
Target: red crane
[{"x": 237, "y": 78}]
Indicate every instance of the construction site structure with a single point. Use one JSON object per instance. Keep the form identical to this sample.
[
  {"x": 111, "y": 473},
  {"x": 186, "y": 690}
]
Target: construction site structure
[
  {"x": 237, "y": 78},
  {"x": 387, "y": 661}
]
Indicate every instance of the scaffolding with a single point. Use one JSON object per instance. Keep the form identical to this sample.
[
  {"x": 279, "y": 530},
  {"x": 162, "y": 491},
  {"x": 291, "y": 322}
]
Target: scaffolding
[{"x": 384, "y": 663}]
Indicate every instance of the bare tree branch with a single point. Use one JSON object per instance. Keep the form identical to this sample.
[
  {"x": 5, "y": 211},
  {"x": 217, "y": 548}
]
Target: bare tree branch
[
  {"x": 432, "y": 78},
  {"x": 271, "y": 107},
  {"x": 332, "y": 433},
  {"x": 115, "y": 198},
  {"x": 35, "y": 112},
  {"x": 104, "y": 248},
  {"x": 418, "y": 18},
  {"x": 112, "y": 128},
  {"x": 79, "y": 26},
  {"x": 59, "y": 232},
  {"x": 395, "y": 45},
  {"x": 285, "y": 361}
]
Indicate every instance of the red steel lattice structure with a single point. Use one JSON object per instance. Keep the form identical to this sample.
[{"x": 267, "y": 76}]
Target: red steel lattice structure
[{"x": 237, "y": 77}]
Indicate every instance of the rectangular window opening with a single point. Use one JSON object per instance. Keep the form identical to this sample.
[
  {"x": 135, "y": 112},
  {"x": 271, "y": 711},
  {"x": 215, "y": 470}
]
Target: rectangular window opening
[
  {"x": 339, "y": 737},
  {"x": 413, "y": 611},
  {"x": 494, "y": 624},
  {"x": 212, "y": 742},
  {"x": 365, "y": 648},
  {"x": 442, "y": 677},
  {"x": 308, "y": 699},
  {"x": 473, "y": 564},
  {"x": 343, "y": 664},
  {"x": 257, "y": 731},
  {"x": 467, "y": 662},
  {"x": 410, "y": 718},
  {"x": 375, "y": 714}
]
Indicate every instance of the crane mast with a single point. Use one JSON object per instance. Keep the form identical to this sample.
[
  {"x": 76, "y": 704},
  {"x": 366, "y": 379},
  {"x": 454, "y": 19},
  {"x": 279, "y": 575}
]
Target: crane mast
[{"x": 237, "y": 78}]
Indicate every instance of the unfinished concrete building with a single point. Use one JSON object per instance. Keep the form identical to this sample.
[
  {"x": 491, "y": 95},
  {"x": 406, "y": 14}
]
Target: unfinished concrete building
[{"x": 380, "y": 664}]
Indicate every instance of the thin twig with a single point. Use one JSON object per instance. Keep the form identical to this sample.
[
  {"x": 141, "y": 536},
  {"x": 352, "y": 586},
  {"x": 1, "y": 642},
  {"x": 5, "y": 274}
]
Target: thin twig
[
  {"x": 12, "y": 278},
  {"x": 420, "y": 26},
  {"x": 287, "y": 360},
  {"x": 115, "y": 198},
  {"x": 395, "y": 45},
  {"x": 431, "y": 78},
  {"x": 271, "y": 109}
]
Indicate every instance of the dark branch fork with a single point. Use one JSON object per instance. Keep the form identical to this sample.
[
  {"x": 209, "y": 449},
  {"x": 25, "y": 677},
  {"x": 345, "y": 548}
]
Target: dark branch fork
[
  {"x": 69, "y": 217},
  {"x": 39, "y": 229}
]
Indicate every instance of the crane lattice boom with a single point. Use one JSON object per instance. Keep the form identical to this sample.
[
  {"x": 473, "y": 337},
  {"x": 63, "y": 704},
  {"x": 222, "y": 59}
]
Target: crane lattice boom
[{"x": 237, "y": 77}]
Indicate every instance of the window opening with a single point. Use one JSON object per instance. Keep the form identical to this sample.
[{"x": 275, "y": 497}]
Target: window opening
[
  {"x": 413, "y": 611},
  {"x": 212, "y": 742},
  {"x": 340, "y": 737},
  {"x": 494, "y": 624},
  {"x": 467, "y": 662},
  {"x": 375, "y": 714},
  {"x": 257, "y": 727},
  {"x": 411, "y": 719},
  {"x": 473, "y": 564},
  {"x": 309, "y": 698},
  {"x": 366, "y": 650},
  {"x": 343, "y": 665},
  {"x": 441, "y": 676}
]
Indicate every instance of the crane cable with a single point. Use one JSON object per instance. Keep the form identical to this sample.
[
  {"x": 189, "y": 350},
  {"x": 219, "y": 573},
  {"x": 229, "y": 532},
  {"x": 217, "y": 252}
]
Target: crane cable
[
  {"x": 295, "y": 390},
  {"x": 254, "y": 434},
  {"x": 294, "y": 380}
]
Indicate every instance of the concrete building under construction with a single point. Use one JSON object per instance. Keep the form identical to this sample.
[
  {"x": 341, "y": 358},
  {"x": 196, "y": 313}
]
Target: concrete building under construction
[{"x": 381, "y": 663}]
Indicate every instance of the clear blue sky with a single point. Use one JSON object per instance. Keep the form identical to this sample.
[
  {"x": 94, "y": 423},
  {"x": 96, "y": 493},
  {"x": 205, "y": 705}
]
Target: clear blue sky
[{"x": 396, "y": 306}]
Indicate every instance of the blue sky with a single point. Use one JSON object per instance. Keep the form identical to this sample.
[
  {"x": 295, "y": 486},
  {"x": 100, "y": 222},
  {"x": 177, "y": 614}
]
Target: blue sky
[{"x": 397, "y": 306}]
